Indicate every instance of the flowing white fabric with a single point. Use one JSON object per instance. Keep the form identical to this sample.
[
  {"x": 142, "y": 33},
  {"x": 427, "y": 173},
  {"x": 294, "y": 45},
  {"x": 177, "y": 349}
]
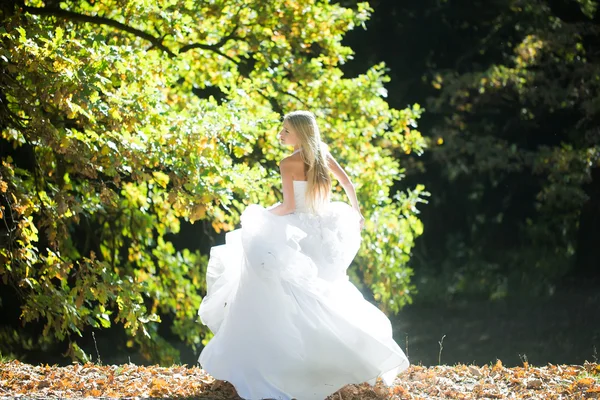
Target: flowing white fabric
[{"x": 287, "y": 321}]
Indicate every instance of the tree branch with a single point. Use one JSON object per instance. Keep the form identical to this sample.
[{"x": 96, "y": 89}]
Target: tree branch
[
  {"x": 272, "y": 101},
  {"x": 211, "y": 47},
  {"x": 156, "y": 42},
  {"x": 93, "y": 19},
  {"x": 221, "y": 42}
]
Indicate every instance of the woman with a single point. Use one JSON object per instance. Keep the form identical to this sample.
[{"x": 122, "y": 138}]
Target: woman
[{"x": 287, "y": 322}]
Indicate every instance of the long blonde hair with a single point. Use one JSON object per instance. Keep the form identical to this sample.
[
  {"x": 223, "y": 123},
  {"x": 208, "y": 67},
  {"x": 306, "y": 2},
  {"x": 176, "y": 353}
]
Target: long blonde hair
[{"x": 313, "y": 153}]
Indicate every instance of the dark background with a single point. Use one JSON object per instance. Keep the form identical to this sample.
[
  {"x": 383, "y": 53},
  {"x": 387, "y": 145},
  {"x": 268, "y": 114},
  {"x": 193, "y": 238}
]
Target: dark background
[{"x": 527, "y": 287}]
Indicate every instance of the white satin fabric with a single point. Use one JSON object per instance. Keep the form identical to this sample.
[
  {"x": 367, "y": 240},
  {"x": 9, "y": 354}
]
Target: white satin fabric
[{"x": 287, "y": 321}]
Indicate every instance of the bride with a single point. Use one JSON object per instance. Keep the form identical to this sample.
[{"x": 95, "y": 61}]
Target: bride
[{"x": 287, "y": 322}]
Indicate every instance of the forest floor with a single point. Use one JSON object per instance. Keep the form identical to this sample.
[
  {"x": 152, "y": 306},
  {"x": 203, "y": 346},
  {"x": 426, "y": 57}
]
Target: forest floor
[
  {"x": 20, "y": 380},
  {"x": 560, "y": 329}
]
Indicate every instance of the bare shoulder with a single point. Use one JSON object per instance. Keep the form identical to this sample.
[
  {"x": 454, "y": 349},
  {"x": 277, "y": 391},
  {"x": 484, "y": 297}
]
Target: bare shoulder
[
  {"x": 293, "y": 165},
  {"x": 291, "y": 161}
]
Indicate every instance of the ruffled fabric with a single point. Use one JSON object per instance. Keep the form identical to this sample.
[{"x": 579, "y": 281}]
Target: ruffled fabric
[{"x": 287, "y": 321}]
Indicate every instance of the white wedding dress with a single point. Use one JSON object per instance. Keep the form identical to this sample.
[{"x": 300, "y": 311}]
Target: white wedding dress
[{"x": 287, "y": 322}]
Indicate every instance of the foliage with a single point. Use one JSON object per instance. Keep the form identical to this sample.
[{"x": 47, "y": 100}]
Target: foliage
[
  {"x": 122, "y": 118},
  {"x": 418, "y": 382},
  {"x": 515, "y": 121}
]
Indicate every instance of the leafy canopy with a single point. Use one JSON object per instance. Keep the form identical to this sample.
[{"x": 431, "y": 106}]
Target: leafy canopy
[{"x": 121, "y": 118}]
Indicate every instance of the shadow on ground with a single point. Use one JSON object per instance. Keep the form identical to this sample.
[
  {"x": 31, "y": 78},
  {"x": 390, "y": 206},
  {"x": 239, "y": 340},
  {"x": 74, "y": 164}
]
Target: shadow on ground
[{"x": 562, "y": 329}]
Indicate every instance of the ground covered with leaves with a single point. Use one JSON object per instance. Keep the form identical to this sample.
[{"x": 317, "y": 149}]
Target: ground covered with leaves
[{"x": 441, "y": 382}]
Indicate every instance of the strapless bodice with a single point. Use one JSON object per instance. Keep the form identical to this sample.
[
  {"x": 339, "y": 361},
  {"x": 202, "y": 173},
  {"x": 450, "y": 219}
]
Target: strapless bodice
[{"x": 300, "y": 196}]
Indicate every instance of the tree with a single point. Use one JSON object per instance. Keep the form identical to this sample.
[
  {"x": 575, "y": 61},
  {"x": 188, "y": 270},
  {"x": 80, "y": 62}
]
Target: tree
[
  {"x": 518, "y": 147},
  {"x": 120, "y": 119}
]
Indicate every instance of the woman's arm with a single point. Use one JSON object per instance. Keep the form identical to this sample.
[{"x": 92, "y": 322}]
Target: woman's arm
[
  {"x": 288, "y": 205},
  {"x": 346, "y": 183}
]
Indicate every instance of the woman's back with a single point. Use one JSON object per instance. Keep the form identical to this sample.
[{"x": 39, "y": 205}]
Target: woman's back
[{"x": 300, "y": 196}]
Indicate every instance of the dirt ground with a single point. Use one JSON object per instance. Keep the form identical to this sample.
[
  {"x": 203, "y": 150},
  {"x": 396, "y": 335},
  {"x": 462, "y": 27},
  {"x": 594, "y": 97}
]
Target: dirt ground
[{"x": 562, "y": 329}]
